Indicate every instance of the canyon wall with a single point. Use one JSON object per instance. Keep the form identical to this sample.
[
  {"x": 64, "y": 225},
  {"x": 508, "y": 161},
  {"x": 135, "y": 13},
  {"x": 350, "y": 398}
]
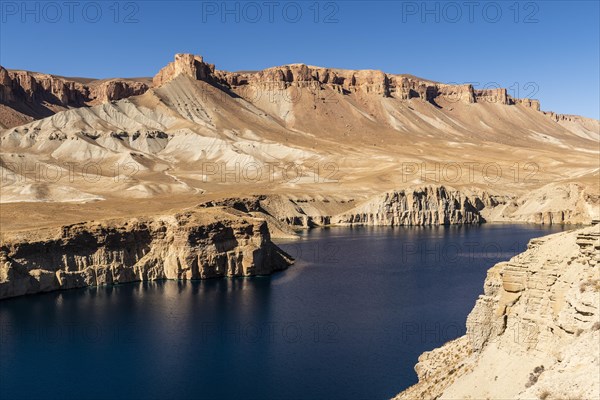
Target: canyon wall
[
  {"x": 534, "y": 333},
  {"x": 422, "y": 206},
  {"x": 195, "y": 244},
  {"x": 429, "y": 205},
  {"x": 343, "y": 81}
]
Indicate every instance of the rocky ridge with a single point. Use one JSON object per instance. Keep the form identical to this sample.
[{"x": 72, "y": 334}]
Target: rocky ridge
[
  {"x": 35, "y": 95},
  {"x": 343, "y": 81},
  {"x": 46, "y": 94},
  {"x": 195, "y": 244}
]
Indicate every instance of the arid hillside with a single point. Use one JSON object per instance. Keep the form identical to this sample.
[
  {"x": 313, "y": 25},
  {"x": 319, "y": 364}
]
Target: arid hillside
[
  {"x": 335, "y": 139},
  {"x": 26, "y": 96}
]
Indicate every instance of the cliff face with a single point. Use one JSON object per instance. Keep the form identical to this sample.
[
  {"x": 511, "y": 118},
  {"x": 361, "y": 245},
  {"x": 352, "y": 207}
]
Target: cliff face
[
  {"x": 38, "y": 95},
  {"x": 534, "y": 333},
  {"x": 430, "y": 205},
  {"x": 187, "y": 64},
  {"x": 191, "y": 245},
  {"x": 423, "y": 206},
  {"x": 403, "y": 87},
  {"x": 115, "y": 89},
  {"x": 342, "y": 81}
]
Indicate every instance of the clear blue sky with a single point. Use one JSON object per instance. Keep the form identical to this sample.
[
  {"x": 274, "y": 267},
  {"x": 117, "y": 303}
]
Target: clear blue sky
[{"x": 553, "y": 44}]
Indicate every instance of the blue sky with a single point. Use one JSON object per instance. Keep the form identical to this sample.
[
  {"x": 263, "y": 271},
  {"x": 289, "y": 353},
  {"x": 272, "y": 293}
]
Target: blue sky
[{"x": 550, "y": 49}]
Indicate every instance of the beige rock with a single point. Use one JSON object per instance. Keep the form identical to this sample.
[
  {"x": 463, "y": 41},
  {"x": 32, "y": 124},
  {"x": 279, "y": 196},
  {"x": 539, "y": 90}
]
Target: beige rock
[
  {"x": 31, "y": 94},
  {"x": 348, "y": 134},
  {"x": 196, "y": 244},
  {"x": 535, "y": 331}
]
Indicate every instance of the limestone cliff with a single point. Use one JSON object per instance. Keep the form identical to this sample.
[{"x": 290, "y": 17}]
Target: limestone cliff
[
  {"x": 534, "y": 333},
  {"x": 343, "y": 81},
  {"x": 429, "y": 205},
  {"x": 187, "y": 64},
  {"x": 196, "y": 244},
  {"x": 422, "y": 206}
]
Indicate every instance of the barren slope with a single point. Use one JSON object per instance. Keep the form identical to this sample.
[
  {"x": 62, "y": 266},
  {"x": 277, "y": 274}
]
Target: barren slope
[{"x": 202, "y": 133}]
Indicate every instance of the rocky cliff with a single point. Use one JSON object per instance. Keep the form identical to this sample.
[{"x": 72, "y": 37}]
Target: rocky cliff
[
  {"x": 46, "y": 94},
  {"x": 421, "y": 206},
  {"x": 35, "y": 95},
  {"x": 187, "y": 64},
  {"x": 196, "y": 244},
  {"x": 534, "y": 333},
  {"x": 342, "y": 81},
  {"x": 429, "y": 205}
]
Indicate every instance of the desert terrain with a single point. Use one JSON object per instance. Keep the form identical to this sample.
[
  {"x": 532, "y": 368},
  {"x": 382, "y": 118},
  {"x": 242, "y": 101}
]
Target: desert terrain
[
  {"x": 192, "y": 173},
  {"x": 327, "y": 140}
]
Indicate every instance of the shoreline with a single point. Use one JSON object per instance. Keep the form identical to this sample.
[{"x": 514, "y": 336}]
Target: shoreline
[{"x": 478, "y": 364}]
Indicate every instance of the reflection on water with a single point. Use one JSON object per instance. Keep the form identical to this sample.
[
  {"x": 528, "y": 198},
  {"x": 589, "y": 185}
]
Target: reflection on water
[{"x": 347, "y": 321}]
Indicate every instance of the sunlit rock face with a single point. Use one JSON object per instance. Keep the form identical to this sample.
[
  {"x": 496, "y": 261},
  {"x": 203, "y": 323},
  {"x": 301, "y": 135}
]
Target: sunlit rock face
[
  {"x": 534, "y": 333},
  {"x": 190, "y": 245}
]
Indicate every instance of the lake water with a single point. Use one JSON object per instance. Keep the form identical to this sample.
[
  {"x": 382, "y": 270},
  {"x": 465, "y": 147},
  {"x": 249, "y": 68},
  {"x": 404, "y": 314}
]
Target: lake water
[{"x": 347, "y": 321}]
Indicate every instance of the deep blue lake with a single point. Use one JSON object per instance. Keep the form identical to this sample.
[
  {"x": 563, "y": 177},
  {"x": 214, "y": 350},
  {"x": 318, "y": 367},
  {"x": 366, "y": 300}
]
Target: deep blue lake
[{"x": 347, "y": 321}]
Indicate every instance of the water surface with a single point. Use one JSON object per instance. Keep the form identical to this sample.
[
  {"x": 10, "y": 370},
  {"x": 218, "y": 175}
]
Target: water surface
[{"x": 347, "y": 321}]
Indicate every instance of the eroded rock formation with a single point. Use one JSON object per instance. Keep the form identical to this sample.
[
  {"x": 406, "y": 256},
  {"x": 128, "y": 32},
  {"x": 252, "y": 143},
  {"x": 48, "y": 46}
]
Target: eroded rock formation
[
  {"x": 343, "y": 81},
  {"x": 196, "y": 244},
  {"x": 36, "y": 95},
  {"x": 430, "y": 205},
  {"x": 534, "y": 333},
  {"x": 187, "y": 64},
  {"x": 422, "y": 206}
]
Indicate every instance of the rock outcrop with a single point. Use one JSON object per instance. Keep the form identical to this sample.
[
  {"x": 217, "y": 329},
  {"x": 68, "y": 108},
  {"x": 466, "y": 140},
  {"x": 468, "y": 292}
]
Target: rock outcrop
[
  {"x": 187, "y": 64},
  {"x": 39, "y": 95},
  {"x": 33, "y": 87},
  {"x": 421, "y": 206},
  {"x": 534, "y": 333},
  {"x": 115, "y": 89},
  {"x": 197, "y": 244},
  {"x": 430, "y": 205},
  {"x": 375, "y": 82}
]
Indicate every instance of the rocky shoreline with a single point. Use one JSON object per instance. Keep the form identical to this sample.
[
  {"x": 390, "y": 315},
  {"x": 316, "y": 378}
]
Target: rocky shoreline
[
  {"x": 417, "y": 206},
  {"x": 534, "y": 333},
  {"x": 230, "y": 237},
  {"x": 528, "y": 336},
  {"x": 196, "y": 244}
]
